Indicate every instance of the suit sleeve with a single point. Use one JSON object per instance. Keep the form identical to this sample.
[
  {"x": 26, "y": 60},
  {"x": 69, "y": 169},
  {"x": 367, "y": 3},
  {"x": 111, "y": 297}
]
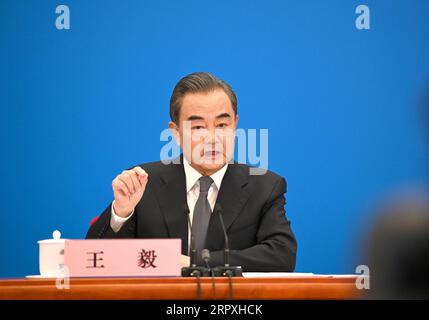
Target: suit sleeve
[
  {"x": 101, "y": 229},
  {"x": 276, "y": 246}
]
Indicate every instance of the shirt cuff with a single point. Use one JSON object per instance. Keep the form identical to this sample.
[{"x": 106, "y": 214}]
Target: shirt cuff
[{"x": 116, "y": 222}]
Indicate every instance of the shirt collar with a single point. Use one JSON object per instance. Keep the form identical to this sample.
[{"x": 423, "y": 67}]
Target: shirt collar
[{"x": 193, "y": 175}]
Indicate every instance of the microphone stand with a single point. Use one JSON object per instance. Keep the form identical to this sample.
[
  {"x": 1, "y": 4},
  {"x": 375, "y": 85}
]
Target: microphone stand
[
  {"x": 193, "y": 270},
  {"x": 206, "y": 258},
  {"x": 226, "y": 269}
]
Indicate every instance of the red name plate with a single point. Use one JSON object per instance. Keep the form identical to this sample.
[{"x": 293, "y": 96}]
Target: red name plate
[{"x": 123, "y": 257}]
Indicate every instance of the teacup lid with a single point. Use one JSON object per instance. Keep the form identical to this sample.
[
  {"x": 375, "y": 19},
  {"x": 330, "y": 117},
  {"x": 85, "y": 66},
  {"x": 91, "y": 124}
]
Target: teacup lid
[{"x": 56, "y": 235}]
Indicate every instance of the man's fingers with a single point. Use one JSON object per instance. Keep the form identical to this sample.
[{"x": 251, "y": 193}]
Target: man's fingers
[
  {"x": 130, "y": 181},
  {"x": 126, "y": 179},
  {"x": 136, "y": 180},
  {"x": 143, "y": 179},
  {"x": 140, "y": 172},
  {"x": 142, "y": 175},
  {"x": 118, "y": 185},
  {"x": 128, "y": 175}
]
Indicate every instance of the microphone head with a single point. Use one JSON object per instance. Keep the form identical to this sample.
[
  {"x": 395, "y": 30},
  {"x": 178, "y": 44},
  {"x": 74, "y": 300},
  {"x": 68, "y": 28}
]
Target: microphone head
[{"x": 205, "y": 254}]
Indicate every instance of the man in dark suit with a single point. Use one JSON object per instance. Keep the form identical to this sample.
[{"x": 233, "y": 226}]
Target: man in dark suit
[{"x": 153, "y": 200}]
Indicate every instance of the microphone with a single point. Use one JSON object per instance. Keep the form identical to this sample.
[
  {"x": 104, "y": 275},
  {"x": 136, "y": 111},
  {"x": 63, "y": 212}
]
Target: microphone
[
  {"x": 226, "y": 269},
  {"x": 218, "y": 209},
  {"x": 193, "y": 270},
  {"x": 205, "y": 254},
  {"x": 192, "y": 250}
]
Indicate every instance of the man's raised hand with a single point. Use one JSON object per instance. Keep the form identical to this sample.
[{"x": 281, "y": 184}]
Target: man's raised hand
[{"x": 128, "y": 188}]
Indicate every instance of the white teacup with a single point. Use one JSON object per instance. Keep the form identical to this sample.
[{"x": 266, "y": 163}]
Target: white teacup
[{"x": 51, "y": 256}]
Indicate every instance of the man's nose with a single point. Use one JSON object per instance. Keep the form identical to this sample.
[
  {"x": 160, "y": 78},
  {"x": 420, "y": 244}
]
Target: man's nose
[{"x": 211, "y": 136}]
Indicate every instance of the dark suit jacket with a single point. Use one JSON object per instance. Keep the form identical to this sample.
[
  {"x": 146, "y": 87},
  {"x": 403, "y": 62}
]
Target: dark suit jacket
[{"x": 259, "y": 233}]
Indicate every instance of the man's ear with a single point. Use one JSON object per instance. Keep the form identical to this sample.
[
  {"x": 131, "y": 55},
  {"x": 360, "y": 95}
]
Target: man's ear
[
  {"x": 175, "y": 132},
  {"x": 236, "y": 121}
]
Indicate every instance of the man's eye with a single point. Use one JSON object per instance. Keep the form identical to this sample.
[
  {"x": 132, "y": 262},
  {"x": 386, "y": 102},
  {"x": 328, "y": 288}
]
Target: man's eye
[
  {"x": 222, "y": 125},
  {"x": 197, "y": 127}
]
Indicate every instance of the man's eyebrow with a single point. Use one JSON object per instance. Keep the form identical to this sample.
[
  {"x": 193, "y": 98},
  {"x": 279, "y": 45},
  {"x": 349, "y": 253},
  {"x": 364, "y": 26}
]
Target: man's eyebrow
[
  {"x": 223, "y": 115},
  {"x": 194, "y": 117}
]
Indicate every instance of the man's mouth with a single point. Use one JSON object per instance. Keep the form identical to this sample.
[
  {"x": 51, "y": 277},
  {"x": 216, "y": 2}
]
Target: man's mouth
[{"x": 211, "y": 154}]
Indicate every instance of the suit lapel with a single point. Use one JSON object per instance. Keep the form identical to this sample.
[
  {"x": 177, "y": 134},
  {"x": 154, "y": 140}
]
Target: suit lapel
[
  {"x": 232, "y": 197},
  {"x": 171, "y": 199},
  {"x": 172, "y": 196}
]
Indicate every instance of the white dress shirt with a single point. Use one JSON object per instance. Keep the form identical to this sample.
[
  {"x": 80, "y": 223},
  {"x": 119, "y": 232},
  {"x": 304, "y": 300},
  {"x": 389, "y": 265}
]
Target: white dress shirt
[{"x": 192, "y": 193}]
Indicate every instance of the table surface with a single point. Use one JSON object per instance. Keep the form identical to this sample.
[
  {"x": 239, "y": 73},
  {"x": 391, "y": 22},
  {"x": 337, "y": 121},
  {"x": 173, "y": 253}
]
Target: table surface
[{"x": 259, "y": 288}]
